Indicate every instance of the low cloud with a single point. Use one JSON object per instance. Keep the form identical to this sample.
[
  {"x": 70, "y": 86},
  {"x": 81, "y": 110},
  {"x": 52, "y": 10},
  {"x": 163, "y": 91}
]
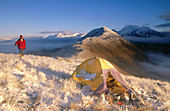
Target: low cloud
[
  {"x": 163, "y": 25},
  {"x": 49, "y": 32},
  {"x": 165, "y": 17},
  {"x": 158, "y": 66}
]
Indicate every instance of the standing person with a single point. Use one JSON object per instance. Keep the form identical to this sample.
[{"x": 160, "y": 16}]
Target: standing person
[{"x": 21, "y": 45}]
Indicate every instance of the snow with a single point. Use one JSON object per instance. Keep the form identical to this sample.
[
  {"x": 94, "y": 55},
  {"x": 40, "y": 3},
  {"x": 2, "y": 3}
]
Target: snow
[
  {"x": 144, "y": 31},
  {"x": 128, "y": 29},
  {"x": 62, "y": 35},
  {"x": 86, "y": 75},
  {"x": 43, "y": 83},
  {"x": 90, "y": 62},
  {"x": 90, "y": 76}
]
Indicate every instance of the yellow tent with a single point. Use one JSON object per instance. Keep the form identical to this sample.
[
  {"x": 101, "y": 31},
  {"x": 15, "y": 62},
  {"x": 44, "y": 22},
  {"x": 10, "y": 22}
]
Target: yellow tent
[{"x": 102, "y": 76}]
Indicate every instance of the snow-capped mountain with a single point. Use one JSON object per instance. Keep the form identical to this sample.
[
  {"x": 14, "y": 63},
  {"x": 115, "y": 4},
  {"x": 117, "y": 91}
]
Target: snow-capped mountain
[
  {"x": 134, "y": 30},
  {"x": 128, "y": 29},
  {"x": 61, "y": 35},
  {"x": 145, "y": 32}
]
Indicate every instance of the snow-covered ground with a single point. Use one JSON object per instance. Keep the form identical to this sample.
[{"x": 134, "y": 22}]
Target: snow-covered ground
[{"x": 43, "y": 83}]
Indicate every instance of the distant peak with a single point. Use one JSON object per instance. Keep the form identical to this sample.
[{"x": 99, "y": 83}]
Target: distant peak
[
  {"x": 131, "y": 26},
  {"x": 145, "y": 27},
  {"x": 61, "y": 35},
  {"x": 145, "y": 31},
  {"x": 128, "y": 29}
]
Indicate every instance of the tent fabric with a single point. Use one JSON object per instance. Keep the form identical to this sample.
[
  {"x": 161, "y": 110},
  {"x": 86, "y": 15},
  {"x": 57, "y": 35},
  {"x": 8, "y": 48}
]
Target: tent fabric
[{"x": 97, "y": 72}]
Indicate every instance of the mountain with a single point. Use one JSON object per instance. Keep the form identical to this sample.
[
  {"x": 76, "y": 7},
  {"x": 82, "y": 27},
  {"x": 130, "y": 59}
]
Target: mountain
[
  {"x": 61, "y": 35},
  {"x": 134, "y": 30},
  {"x": 107, "y": 44},
  {"x": 115, "y": 31},
  {"x": 128, "y": 29},
  {"x": 146, "y": 32},
  {"x": 102, "y": 32}
]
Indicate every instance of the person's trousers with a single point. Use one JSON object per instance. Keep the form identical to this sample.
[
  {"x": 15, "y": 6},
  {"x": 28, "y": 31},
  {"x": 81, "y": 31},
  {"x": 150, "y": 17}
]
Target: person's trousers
[{"x": 21, "y": 51}]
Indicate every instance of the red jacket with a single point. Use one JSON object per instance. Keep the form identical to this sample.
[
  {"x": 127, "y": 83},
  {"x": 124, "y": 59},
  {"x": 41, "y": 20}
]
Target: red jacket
[{"x": 21, "y": 44}]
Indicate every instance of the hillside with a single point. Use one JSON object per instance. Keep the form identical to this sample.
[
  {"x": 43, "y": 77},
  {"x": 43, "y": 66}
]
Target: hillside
[
  {"x": 42, "y": 83},
  {"x": 105, "y": 43}
]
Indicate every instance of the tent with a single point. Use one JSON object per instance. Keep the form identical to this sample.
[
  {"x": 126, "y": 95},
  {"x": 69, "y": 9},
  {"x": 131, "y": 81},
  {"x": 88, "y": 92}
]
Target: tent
[{"x": 102, "y": 76}]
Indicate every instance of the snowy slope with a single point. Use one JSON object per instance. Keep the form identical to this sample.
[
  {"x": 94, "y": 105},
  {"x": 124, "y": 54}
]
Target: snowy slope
[
  {"x": 146, "y": 32},
  {"x": 128, "y": 29},
  {"x": 61, "y": 35},
  {"x": 133, "y": 30},
  {"x": 42, "y": 83}
]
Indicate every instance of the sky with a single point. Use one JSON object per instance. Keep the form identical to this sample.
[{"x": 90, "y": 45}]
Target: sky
[{"x": 37, "y": 17}]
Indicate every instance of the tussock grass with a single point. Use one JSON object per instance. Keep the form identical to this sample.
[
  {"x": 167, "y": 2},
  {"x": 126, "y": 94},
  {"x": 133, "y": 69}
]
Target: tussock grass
[{"x": 42, "y": 84}]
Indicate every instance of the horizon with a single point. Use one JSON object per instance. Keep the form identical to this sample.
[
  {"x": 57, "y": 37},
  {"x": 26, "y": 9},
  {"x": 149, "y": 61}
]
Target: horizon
[{"x": 31, "y": 18}]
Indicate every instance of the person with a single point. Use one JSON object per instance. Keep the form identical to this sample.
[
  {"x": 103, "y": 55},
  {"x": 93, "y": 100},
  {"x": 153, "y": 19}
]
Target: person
[{"x": 21, "y": 45}]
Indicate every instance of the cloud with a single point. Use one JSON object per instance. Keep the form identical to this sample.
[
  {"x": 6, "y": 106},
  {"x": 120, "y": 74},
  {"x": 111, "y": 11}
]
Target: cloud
[
  {"x": 163, "y": 25},
  {"x": 49, "y": 32},
  {"x": 165, "y": 17},
  {"x": 158, "y": 66},
  {"x": 166, "y": 11}
]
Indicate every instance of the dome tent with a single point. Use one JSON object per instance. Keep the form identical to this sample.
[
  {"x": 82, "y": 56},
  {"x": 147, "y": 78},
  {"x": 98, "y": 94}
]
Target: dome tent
[{"x": 102, "y": 76}]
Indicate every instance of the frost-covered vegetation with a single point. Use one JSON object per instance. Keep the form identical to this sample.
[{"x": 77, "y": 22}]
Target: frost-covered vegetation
[{"x": 43, "y": 83}]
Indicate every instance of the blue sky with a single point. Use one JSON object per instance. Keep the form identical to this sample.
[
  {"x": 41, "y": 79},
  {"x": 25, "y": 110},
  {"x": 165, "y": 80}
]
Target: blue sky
[{"x": 30, "y": 17}]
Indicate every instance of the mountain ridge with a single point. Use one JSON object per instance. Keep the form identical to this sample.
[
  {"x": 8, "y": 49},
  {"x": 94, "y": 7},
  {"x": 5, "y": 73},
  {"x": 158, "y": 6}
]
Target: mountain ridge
[
  {"x": 107, "y": 44},
  {"x": 144, "y": 31},
  {"x": 62, "y": 35}
]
